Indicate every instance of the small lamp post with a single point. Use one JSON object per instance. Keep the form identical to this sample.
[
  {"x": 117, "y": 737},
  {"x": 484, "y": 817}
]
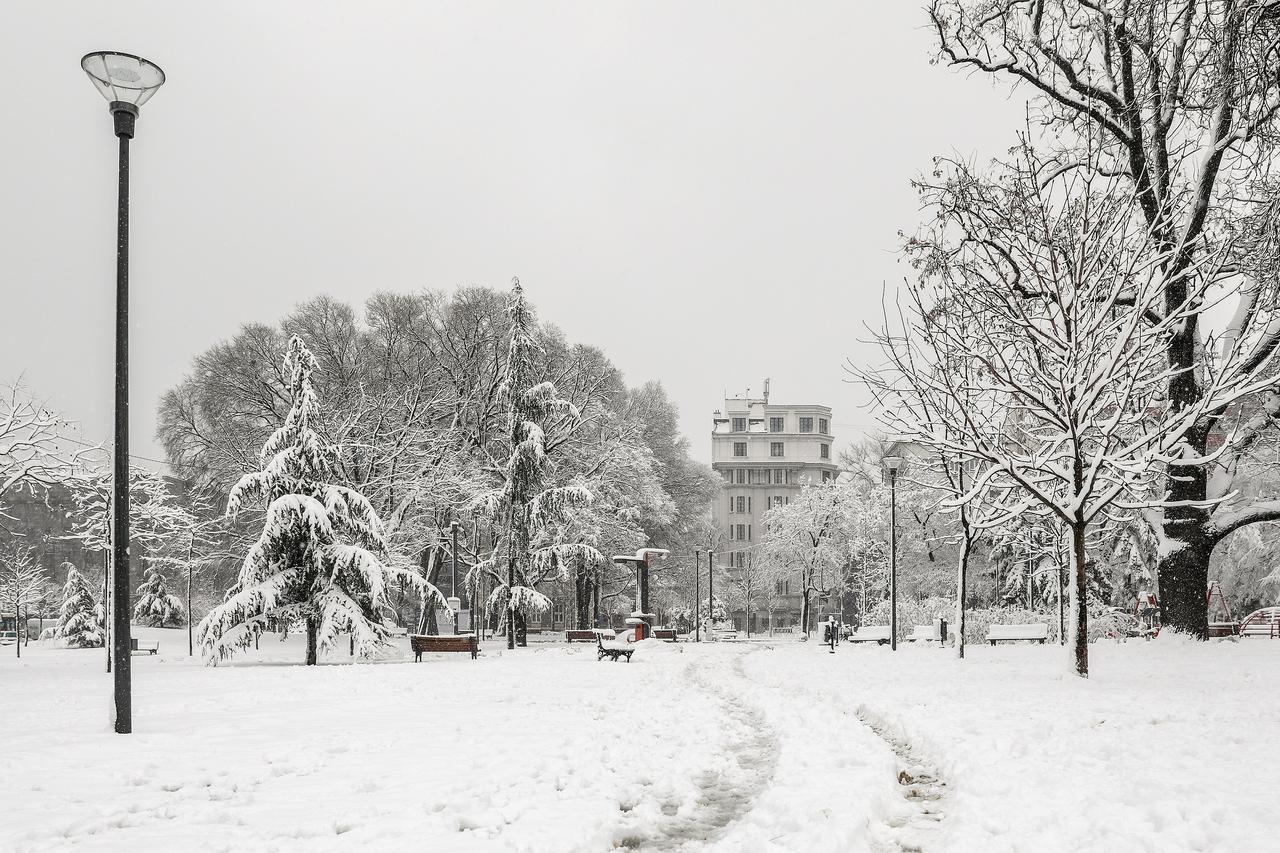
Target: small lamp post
[
  {"x": 127, "y": 82},
  {"x": 892, "y": 465},
  {"x": 697, "y": 596}
]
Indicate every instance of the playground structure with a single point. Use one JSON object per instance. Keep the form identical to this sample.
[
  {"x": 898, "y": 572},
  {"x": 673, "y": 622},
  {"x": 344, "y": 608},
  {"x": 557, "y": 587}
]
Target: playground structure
[
  {"x": 1261, "y": 623},
  {"x": 1229, "y": 627}
]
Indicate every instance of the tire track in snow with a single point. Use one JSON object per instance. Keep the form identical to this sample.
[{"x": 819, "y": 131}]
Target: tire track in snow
[
  {"x": 725, "y": 794},
  {"x": 919, "y": 829}
]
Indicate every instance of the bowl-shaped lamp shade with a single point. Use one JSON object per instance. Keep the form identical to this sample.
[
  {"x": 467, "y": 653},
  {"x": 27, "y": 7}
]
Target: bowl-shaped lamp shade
[
  {"x": 892, "y": 463},
  {"x": 122, "y": 77}
]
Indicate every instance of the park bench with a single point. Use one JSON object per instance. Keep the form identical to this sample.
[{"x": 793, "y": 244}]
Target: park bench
[
  {"x": 533, "y": 628},
  {"x": 443, "y": 643},
  {"x": 587, "y": 635},
  {"x": 923, "y": 634},
  {"x": 1038, "y": 631},
  {"x": 613, "y": 651},
  {"x": 878, "y": 634},
  {"x": 668, "y": 634},
  {"x": 141, "y": 648}
]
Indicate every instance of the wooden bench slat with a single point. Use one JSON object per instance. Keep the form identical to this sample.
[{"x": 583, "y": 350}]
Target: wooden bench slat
[{"x": 421, "y": 643}]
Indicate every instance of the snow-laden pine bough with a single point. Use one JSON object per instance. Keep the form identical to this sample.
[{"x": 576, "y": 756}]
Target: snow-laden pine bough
[
  {"x": 321, "y": 559},
  {"x": 1033, "y": 350}
]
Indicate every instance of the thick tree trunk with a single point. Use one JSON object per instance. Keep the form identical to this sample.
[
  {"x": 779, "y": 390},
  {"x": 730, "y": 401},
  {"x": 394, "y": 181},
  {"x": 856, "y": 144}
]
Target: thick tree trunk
[
  {"x": 582, "y": 600},
  {"x": 1078, "y": 647},
  {"x": 313, "y": 630},
  {"x": 1183, "y": 572}
]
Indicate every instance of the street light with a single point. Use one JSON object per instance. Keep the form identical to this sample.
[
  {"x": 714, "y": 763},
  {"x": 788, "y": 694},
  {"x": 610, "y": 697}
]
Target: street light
[
  {"x": 641, "y": 560},
  {"x": 127, "y": 82},
  {"x": 697, "y": 596},
  {"x": 893, "y": 464},
  {"x": 454, "y": 602}
]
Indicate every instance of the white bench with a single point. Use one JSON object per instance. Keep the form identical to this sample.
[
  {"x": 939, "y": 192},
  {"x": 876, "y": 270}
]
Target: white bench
[
  {"x": 878, "y": 634},
  {"x": 925, "y": 634},
  {"x": 1038, "y": 631}
]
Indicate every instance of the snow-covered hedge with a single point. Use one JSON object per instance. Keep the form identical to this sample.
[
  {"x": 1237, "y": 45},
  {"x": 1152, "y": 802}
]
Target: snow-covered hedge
[{"x": 1104, "y": 621}]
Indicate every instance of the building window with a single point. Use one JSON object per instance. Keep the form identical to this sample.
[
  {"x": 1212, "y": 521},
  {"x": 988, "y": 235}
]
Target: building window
[
  {"x": 775, "y": 424},
  {"x": 741, "y": 530},
  {"x": 826, "y": 475},
  {"x": 775, "y": 448},
  {"x": 740, "y": 476},
  {"x": 728, "y": 475},
  {"x": 740, "y": 560},
  {"x": 730, "y": 531},
  {"x": 806, "y": 424},
  {"x": 748, "y": 532},
  {"x": 739, "y": 448},
  {"x": 779, "y": 477},
  {"x": 777, "y": 500},
  {"x": 822, "y": 426},
  {"x": 825, "y": 451},
  {"x": 739, "y": 424},
  {"x": 741, "y": 503}
]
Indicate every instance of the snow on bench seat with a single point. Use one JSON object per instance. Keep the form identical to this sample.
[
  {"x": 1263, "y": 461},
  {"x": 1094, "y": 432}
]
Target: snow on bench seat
[
  {"x": 871, "y": 634},
  {"x": 924, "y": 633},
  {"x": 1038, "y": 631}
]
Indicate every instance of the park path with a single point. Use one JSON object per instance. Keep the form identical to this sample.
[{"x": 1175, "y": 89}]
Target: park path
[{"x": 726, "y": 791}]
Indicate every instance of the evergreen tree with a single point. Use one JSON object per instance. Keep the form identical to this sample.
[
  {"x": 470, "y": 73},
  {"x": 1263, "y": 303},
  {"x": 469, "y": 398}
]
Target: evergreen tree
[
  {"x": 525, "y": 499},
  {"x": 157, "y": 607},
  {"x": 80, "y": 619},
  {"x": 319, "y": 559}
]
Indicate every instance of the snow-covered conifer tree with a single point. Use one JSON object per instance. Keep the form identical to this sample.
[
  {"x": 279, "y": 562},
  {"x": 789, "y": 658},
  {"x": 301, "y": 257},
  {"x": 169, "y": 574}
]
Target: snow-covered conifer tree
[
  {"x": 321, "y": 556},
  {"x": 80, "y": 619},
  {"x": 156, "y": 606},
  {"x": 524, "y": 498}
]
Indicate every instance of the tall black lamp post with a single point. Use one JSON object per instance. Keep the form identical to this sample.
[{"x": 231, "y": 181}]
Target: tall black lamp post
[
  {"x": 697, "y": 596},
  {"x": 454, "y": 601},
  {"x": 893, "y": 464},
  {"x": 127, "y": 82}
]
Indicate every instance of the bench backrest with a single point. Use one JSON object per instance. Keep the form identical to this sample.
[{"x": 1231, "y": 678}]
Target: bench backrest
[
  {"x": 872, "y": 632},
  {"x": 1033, "y": 631},
  {"x": 442, "y": 642},
  {"x": 924, "y": 632}
]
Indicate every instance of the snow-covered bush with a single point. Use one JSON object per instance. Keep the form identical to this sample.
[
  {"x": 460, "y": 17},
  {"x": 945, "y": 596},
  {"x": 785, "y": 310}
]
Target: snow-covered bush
[
  {"x": 80, "y": 618},
  {"x": 157, "y": 607},
  {"x": 911, "y": 613},
  {"x": 319, "y": 558}
]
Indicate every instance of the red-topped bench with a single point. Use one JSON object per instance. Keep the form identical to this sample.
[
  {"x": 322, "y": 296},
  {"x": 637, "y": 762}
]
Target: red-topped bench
[{"x": 443, "y": 643}]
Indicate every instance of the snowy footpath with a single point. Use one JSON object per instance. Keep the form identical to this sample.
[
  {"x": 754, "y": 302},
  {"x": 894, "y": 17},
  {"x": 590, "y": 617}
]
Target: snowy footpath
[{"x": 730, "y": 747}]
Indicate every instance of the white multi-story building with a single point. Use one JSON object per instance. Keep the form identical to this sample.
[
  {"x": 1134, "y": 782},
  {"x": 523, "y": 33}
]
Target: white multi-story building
[{"x": 765, "y": 453}]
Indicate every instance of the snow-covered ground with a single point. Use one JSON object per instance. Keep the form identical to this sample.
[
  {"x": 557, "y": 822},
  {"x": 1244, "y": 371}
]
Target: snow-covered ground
[{"x": 728, "y": 747}]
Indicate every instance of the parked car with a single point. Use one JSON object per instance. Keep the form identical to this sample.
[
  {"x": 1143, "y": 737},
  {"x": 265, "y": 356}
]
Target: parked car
[{"x": 8, "y": 638}]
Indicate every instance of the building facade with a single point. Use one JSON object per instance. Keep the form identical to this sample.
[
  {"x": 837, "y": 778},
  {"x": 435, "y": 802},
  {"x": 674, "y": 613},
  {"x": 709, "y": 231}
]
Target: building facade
[{"x": 765, "y": 453}]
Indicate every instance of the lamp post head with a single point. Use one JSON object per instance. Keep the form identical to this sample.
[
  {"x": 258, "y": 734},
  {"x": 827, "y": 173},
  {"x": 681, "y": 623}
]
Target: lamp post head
[
  {"x": 125, "y": 80},
  {"x": 455, "y": 526},
  {"x": 892, "y": 465}
]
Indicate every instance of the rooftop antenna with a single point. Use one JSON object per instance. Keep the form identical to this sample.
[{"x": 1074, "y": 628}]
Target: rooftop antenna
[{"x": 766, "y": 392}]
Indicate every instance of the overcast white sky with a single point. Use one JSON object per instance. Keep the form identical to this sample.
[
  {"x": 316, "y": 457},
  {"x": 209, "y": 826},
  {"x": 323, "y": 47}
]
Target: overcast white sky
[{"x": 709, "y": 191}]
